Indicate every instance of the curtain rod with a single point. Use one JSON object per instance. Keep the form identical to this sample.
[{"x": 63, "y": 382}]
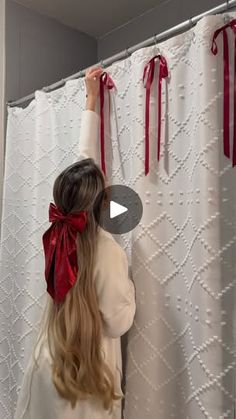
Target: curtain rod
[{"x": 229, "y": 4}]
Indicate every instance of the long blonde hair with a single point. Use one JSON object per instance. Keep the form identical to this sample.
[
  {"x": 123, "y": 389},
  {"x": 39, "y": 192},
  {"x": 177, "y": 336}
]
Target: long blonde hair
[{"x": 74, "y": 327}]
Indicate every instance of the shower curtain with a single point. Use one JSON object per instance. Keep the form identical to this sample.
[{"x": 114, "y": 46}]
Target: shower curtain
[
  {"x": 180, "y": 355},
  {"x": 2, "y": 96}
]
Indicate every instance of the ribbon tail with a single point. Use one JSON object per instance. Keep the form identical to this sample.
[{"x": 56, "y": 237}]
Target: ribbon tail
[
  {"x": 226, "y": 96},
  {"x": 66, "y": 266},
  {"x": 234, "y": 121},
  {"x": 147, "y": 112},
  {"x": 159, "y": 115},
  {"x": 102, "y": 142},
  {"x": 50, "y": 238},
  {"x": 149, "y": 70},
  {"x": 110, "y": 107}
]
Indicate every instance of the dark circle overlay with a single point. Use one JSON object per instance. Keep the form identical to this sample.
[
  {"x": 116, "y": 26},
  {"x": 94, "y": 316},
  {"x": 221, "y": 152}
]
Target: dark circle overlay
[{"x": 123, "y": 223}]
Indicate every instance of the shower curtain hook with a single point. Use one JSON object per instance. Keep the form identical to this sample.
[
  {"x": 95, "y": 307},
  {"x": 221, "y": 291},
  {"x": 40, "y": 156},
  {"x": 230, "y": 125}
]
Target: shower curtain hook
[
  {"x": 191, "y": 22},
  {"x": 191, "y": 27},
  {"x": 226, "y": 19},
  {"x": 157, "y": 51},
  {"x": 226, "y": 16},
  {"x": 127, "y": 52}
]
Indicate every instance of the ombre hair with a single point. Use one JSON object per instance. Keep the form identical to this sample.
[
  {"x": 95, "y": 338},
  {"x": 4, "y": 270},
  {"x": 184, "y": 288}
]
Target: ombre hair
[{"x": 74, "y": 327}]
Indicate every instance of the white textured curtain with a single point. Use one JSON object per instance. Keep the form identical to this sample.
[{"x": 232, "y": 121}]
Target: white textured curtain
[
  {"x": 181, "y": 351},
  {"x": 2, "y": 96}
]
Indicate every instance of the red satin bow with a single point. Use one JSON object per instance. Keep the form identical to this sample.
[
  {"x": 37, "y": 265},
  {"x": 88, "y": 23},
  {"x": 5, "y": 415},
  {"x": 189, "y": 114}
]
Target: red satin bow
[
  {"x": 59, "y": 242},
  {"x": 149, "y": 70},
  {"x": 105, "y": 80},
  {"x": 214, "y": 50}
]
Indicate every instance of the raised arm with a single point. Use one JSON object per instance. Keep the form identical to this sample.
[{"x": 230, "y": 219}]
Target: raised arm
[
  {"x": 115, "y": 290},
  {"x": 89, "y": 131}
]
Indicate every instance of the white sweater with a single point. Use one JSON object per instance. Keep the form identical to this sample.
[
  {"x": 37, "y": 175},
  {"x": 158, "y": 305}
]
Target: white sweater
[{"x": 38, "y": 398}]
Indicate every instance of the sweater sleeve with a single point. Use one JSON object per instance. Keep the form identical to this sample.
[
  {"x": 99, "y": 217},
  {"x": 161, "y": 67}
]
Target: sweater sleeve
[
  {"x": 115, "y": 290},
  {"x": 89, "y": 133}
]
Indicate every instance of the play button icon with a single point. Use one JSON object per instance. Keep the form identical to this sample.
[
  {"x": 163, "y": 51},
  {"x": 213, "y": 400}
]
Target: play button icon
[
  {"x": 116, "y": 209},
  {"x": 122, "y": 209}
]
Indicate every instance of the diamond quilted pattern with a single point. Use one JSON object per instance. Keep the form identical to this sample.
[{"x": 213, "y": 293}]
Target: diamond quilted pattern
[{"x": 181, "y": 349}]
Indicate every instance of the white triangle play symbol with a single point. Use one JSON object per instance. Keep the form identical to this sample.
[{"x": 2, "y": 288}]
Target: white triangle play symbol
[{"x": 116, "y": 209}]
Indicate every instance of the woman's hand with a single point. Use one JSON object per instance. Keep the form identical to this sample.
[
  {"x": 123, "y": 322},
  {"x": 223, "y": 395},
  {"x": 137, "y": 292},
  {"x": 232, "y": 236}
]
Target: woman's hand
[{"x": 92, "y": 82}]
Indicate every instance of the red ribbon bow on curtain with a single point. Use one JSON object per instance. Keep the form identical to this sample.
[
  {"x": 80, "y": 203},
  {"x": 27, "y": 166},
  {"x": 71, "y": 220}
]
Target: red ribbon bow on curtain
[
  {"x": 148, "y": 72},
  {"x": 59, "y": 242},
  {"x": 105, "y": 81},
  {"x": 214, "y": 50}
]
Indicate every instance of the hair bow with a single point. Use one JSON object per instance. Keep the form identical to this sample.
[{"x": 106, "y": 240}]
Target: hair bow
[{"x": 59, "y": 242}]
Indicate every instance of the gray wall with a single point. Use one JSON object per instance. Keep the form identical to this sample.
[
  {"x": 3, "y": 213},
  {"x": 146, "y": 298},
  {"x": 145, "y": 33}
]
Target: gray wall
[
  {"x": 41, "y": 51},
  {"x": 162, "y": 17}
]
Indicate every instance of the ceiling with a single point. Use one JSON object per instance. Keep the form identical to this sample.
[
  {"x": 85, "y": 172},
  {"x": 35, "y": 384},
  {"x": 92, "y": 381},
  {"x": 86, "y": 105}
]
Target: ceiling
[{"x": 94, "y": 17}]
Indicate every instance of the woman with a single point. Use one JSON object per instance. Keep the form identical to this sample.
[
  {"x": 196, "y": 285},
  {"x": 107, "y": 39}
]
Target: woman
[{"x": 75, "y": 370}]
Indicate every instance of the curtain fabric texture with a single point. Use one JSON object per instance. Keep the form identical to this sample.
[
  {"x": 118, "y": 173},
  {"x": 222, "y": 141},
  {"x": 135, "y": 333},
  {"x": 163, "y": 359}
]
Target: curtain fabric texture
[
  {"x": 2, "y": 97},
  {"x": 181, "y": 353}
]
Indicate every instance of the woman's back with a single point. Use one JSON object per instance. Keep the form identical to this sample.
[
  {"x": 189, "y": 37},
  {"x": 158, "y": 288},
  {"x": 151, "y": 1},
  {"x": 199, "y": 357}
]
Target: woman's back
[{"x": 39, "y": 398}]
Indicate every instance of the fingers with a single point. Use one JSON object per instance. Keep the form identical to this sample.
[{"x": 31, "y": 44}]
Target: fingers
[
  {"x": 96, "y": 73},
  {"x": 92, "y": 72}
]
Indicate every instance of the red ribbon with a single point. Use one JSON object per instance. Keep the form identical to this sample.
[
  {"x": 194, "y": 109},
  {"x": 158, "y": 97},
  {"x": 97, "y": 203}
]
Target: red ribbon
[
  {"x": 214, "y": 49},
  {"x": 105, "y": 80},
  {"x": 149, "y": 73},
  {"x": 59, "y": 242}
]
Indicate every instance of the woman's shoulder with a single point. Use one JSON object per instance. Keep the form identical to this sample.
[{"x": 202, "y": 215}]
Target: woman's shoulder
[
  {"x": 107, "y": 244},
  {"x": 104, "y": 235}
]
